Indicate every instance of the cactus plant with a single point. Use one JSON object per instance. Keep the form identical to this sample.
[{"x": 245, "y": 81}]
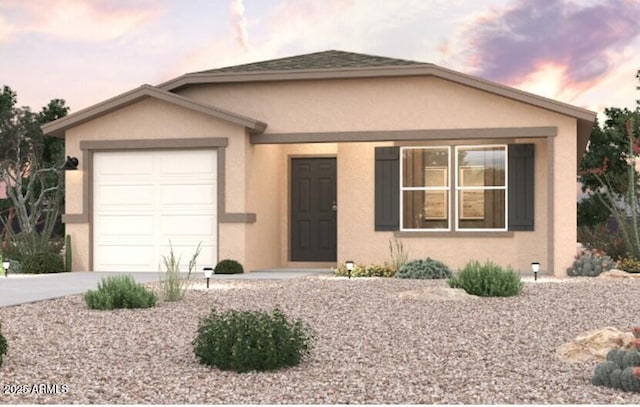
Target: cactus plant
[
  {"x": 591, "y": 265},
  {"x": 631, "y": 358},
  {"x": 621, "y": 370},
  {"x": 602, "y": 373},
  {"x": 629, "y": 379},
  {"x": 67, "y": 253}
]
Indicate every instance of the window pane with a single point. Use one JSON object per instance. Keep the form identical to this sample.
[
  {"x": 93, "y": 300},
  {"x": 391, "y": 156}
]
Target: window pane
[
  {"x": 425, "y": 209},
  {"x": 481, "y": 166},
  {"x": 481, "y": 209},
  {"x": 425, "y": 167}
]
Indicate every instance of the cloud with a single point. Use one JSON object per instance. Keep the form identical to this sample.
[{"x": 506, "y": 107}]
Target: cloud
[
  {"x": 78, "y": 20},
  {"x": 240, "y": 23},
  {"x": 577, "y": 44}
]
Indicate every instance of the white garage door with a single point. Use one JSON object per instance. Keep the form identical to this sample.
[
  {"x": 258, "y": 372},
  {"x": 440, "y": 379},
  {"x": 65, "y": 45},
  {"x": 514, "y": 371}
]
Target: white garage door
[{"x": 144, "y": 199}]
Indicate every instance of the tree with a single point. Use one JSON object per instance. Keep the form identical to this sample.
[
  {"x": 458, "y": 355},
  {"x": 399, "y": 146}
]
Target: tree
[{"x": 30, "y": 169}]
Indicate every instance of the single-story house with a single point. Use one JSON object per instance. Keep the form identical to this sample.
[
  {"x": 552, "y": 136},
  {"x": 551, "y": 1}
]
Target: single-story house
[{"x": 312, "y": 160}]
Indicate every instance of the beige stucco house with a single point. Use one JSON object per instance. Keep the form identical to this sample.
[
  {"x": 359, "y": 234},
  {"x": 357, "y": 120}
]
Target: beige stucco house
[{"x": 316, "y": 159}]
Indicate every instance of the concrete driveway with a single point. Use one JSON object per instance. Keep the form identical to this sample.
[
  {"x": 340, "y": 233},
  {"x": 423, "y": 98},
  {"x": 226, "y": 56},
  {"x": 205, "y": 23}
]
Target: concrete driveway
[{"x": 24, "y": 288}]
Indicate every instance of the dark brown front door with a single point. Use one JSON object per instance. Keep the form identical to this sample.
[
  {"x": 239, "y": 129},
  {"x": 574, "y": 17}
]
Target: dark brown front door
[{"x": 313, "y": 209}]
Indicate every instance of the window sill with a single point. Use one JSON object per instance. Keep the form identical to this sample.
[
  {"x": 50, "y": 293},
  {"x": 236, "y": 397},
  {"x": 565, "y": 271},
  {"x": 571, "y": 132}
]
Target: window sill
[{"x": 457, "y": 234}]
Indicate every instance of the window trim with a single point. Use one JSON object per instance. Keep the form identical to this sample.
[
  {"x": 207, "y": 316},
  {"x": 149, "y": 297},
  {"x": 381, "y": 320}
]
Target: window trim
[
  {"x": 504, "y": 188},
  {"x": 425, "y": 188}
]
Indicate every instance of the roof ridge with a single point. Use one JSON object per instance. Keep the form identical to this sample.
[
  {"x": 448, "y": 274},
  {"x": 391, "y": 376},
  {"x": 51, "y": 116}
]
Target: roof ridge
[{"x": 329, "y": 59}]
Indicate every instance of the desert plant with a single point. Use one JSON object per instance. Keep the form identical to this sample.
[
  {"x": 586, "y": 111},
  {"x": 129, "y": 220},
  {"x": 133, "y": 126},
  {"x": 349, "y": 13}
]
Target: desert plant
[
  {"x": 43, "y": 262},
  {"x": 630, "y": 265},
  {"x": 120, "y": 292},
  {"x": 172, "y": 284},
  {"x": 359, "y": 270},
  {"x": 424, "y": 269},
  {"x": 397, "y": 253},
  {"x": 243, "y": 341},
  {"x": 621, "y": 370},
  {"x": 590, "y": 265},
  {"x": 228, "y": 266},
  {"x": 3, "y": 346},
  {"x": 602, "y": 238},
  {"x": 67, "y": 253},
  {"x": 487, "y": 280}
]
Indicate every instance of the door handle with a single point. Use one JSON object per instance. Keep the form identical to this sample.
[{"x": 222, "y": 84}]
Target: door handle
[{"x": 334, "y": 207}]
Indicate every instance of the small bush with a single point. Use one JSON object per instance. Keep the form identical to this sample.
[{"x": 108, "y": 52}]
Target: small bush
[
  {"x": 427, "y": 269},
  {"x": 487, "y": 280},
  {"x": 590, "y": 265},
  {"x": 373, "y": 270},
  {"x": 601, "y": 238},
  {"x": 3, "y": 346},
  {"x": 120, "y": 292},
  {"x": 243, "y": 341},
  {"x": 630, "y": 265},
  {"x": 43, "y": 262},
  {"x": 228, "y": 266}
]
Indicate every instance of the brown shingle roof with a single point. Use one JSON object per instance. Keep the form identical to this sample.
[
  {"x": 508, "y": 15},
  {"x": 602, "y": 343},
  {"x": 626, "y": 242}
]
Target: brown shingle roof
[{"x": 317, "y": 60}]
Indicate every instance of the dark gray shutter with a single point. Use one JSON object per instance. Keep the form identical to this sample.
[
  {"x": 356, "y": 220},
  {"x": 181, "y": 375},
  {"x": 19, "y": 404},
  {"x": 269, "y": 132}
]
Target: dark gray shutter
[
  {"x": 521, "y": 178},
  {"x": 387, "y": 188}
]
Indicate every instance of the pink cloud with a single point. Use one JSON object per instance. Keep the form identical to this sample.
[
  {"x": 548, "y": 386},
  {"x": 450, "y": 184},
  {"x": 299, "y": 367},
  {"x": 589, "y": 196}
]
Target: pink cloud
[
  {"x": 77, "y": 19},
  {"x": 578, "y": 44},
  {"x": 240, "y": 23}
]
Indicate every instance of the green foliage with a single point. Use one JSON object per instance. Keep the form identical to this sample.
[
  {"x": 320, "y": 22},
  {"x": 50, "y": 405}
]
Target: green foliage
[
  {"x": 630, "y": 265},
  {"x": 590, "y": 265},
  {"x": 620, "y": 370},
  {"x": 67, "y": 253},
  {"x": 119, "y": 292},
  {"x": 397, "y": 253},
  {"x": 592, "y": 212},
  {"x": 243, "y": 341},
  {"x": 487, "y": 280},
  {"x": 43, "y": 262},
  {"x": 600, "y": 239},
  {"x": 172, "y": 284},
  {"x": 228, "y": 266},
  {"x": 3, "y": 346},
  {"x": 425, "y": 269},
  {"x": 359, "y": 270}
]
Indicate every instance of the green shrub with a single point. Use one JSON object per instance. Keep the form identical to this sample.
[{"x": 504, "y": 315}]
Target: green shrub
[
  {"x": 228, "y": 266},
  {"x": 68, "y": 257},
  {"x": 426, "y": 269},
  {"x": 487, "y": 280},
  {"x": 3, "y": 346},
  {"x": 243, "y": 341},
  {"x": 621, "y": 370},
  {"x": 373, "y": 270},
  {"x": 630, "y": 265},
  {"x": 119, "y": 292},
  {"x": 601, "y": 238},
  {"x": 43, "y": 262},
  {"x": 590, "y": 265}
]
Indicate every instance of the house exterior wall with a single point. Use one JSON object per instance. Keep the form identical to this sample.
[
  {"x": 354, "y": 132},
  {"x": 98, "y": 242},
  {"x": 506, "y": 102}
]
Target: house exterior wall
[{"x": 257, "y": 175}]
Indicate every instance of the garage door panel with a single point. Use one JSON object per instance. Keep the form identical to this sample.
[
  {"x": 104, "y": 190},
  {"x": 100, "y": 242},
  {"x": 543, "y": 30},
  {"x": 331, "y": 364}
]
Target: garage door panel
[
  {"x": 178, "y": 193},
  {"x": 125, "y": 225},
  {"x": 198, "y": 162},
  {"x": 138, "y": 208},
  {"x": 135, "y": 164},
  {"x": 125, "y": 195}
]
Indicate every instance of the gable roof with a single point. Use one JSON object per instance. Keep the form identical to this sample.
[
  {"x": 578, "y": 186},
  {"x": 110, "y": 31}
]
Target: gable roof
[
  {"x": 318, "y": 60},
  {"x": 58, "y": 127}
]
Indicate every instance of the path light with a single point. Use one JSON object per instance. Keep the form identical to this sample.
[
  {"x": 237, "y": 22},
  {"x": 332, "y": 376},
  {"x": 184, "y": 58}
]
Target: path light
[
  {"x": 535, "y": 267},
  {"x": 349, "y": 264},
  {"x": 207, "y": 274},
  {"x": 5, "y": 266}
]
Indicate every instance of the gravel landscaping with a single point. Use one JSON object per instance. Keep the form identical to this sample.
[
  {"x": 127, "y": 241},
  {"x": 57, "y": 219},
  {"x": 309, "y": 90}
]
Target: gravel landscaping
[{"x": 371, "y": 346}]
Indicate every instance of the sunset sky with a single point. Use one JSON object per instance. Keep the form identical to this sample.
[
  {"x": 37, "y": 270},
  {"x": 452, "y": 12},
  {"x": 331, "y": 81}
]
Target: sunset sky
[{"x": 583, "y": 52}]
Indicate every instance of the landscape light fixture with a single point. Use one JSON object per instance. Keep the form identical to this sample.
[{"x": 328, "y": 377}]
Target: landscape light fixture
[
  {"x": 5, "y": 265},
  {"x": 349, "y": 264},
  {"x": 535, "y": 267},
  {"x": 71, "y": 163},
  {"x": 207, "y": 274}
]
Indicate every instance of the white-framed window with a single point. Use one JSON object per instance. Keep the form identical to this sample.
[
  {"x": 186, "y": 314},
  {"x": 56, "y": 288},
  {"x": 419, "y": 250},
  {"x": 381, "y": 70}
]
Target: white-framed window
[
  {"x": 481, "y": 188},
  {"x": 425, "y": 196},
  {"x": 477, "y": 184}
]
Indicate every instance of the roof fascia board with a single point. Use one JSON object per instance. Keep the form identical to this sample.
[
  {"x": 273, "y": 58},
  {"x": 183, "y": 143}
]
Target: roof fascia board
[
  {"x": 58, "y": 127},
  {"x": 387, "y": 71}
]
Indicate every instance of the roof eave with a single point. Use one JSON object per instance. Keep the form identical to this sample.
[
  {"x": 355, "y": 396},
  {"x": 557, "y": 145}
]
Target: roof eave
[{"x": 58, "y": 127}]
